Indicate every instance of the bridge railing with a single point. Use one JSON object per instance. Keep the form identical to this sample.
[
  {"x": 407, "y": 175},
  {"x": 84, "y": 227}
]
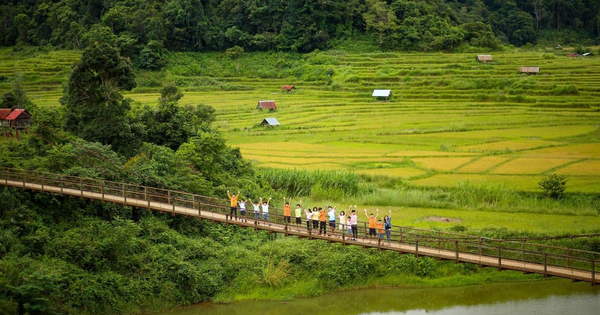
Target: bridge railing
[{"x": 452, "y": 245}]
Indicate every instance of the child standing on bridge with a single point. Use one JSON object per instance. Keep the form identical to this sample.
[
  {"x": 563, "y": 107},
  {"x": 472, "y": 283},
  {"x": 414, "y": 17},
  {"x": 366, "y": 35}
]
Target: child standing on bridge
[
  {"x": 234, "y": 204},
  {"x": 256, "y": 211},
  {"x": 287, "y": 211},
  {"x": 372, "y": 224},
  {"x": 298, "y": 214},
  {"x": 265, "y": 209},
  {"x": 242, "y": 204}
]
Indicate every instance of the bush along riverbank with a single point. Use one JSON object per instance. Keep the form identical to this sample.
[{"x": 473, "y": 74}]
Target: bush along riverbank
[{"x": 68, "y": 256}]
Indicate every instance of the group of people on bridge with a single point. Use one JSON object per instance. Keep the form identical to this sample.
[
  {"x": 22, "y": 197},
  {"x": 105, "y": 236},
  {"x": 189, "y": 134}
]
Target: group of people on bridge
[{"x": 316, "y": 218}]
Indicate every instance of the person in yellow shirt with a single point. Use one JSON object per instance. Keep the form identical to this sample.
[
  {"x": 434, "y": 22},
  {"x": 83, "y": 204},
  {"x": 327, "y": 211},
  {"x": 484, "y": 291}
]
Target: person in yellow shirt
[
  {"x": 234, "y": 204},
  {"x": 372, "y": 224},
  {"x": 298, "y": 214}
]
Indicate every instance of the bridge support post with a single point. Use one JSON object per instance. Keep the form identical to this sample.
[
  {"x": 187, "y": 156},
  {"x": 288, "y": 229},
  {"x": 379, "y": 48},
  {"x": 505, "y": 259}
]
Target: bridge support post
[
  {"x": 523, "y": 252},
  {"x": 593, "y": 272},
  {"x": 569, "y": 258},
  {"x": 286, "y": 228},
  {"x": 378, "y": 242},
  {"x": 456, "y": 250},
  {"x": 102, "y": 190},
  {"x": 417, "y": 245},
  {"x": 24, "y": 178},
  {"x": 499, "y": 258},
  {"x": 61, "y": 184},
  {"x": 145, "y": 193},
  {"x": 479, "y": 247},
  {"x": 400, "y": 233},
  {"x": 545, "y": 265},
  {"x": 81, "y": 186},
  {"x": 42, "y": 182},
  {"x": 344, "y": 236},
  {"x": 124, "y": 194},
  {"x": 439, "y": 235}
]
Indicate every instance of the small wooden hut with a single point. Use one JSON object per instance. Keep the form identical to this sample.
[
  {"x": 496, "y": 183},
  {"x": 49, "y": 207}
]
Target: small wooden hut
[
  {"x": 288, "y": 88},
  {"x": 270, "y": 105},
  {"x": 530, "y": 70},
  {"x": 271, "y": 122},
  {"x": 484, "y": 58}
]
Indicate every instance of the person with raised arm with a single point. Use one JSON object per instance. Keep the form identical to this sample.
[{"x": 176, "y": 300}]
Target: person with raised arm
[
  {"x": 309, "y": 216},
  {"x": 315, "y": 218},
  {"x": 387, "y": 224},
  {"x": 234, "y": 205},
  {"x": 265, "y": 210},
  {"x": 256, "y": 210},
  {"x": 322, "y": 221},
  {"x": 354, "y": 222},
  {"x": 287, "y": 211},
  {"x": 331, "y": 213},
  {"x": 372, "y": 224},
  {"x": 343, "y": 221},
  {"x": 242, "y": 204},
  {"x": 298, "y": 214}
]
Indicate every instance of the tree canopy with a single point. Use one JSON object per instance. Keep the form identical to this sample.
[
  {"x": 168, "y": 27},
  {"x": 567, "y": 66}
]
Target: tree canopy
[{"x": 147, "y": 29}]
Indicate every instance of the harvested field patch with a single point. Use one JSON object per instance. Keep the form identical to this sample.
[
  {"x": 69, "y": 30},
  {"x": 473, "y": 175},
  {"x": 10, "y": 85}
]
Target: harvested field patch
[
  {"x": 403, "y": 172},
  {"x": 483, "y": 164},
  {"x": 509, "y": 145},
  {"x": 442, "y": 219},
  {"x": 576, "y": 151},
  {"x": 442, "y": 164},
  {"x": 589, "y": 167},
  {"x": 529, "y": 166}
]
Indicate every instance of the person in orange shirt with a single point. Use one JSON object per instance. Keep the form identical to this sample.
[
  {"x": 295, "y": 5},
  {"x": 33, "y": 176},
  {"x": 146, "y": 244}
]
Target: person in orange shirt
[
  {"x": 372, "y": 224},
  {"x": 380, "y": 229},
  {"x": 287, "y": 211},
  {"x": 322, "y": 221},
  {"x": 234, "y": 205}
]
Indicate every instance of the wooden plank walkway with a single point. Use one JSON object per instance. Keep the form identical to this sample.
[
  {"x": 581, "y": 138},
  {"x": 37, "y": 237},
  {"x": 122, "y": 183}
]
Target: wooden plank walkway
[{"x": 482, "y": 255}]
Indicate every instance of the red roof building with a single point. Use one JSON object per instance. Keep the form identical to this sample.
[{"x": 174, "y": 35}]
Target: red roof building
[
  {"x": 17, "y": 118},
  {"x": 288, "y": 88},
  {"x": 4, "y": 112},
  {"x": 266, "y": 105}
]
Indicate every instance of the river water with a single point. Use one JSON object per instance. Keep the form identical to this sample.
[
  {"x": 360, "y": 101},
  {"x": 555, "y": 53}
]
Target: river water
[{"x": 550, "y": 297}]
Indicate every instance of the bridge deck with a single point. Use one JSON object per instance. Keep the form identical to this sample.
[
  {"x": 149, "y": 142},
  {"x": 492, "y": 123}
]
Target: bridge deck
[{"x": 456, "y": 255}]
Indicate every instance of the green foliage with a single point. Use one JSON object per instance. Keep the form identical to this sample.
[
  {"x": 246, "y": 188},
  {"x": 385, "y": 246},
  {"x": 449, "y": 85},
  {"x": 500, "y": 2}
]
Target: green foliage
[
  {"x": 554, "y": 185},
  {"x": 565, "y": 90},
  {"x": 95, "y": 110},
  {"x": 145, "y": 27},
  {"x": 304, "y": 183}
]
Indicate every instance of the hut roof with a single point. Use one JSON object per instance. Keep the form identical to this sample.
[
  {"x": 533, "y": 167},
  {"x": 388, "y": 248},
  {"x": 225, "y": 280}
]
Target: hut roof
[
  {"x": 16, "y": 114},
  {"x": 4, "y": 112},
  {"x": 572, "y": 55},
  {"x": 288, "y": 87},
  {"x": 382, "y": 93},
  {"x": 530, "y": 69},
  {"x": 270, "y": 122},
  {"x": 266, "y": 105},
  {"x": 484, "y": 57}
]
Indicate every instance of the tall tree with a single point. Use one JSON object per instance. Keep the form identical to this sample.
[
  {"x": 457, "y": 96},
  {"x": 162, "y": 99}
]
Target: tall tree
[{"x": 95, "y": 109}]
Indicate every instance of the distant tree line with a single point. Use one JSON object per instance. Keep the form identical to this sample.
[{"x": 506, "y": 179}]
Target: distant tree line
[{"x": 145, "y": 28}]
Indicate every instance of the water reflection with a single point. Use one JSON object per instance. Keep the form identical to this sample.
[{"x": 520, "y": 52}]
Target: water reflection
[{"x": 531, "y": 298}]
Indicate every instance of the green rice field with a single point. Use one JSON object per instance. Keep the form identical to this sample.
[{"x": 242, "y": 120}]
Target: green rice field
[{"x": 450, "y": 119}]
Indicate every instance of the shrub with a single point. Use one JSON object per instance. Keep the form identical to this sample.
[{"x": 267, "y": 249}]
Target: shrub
[
  {"x": 565, "y": 90},
  {"x": 554, "y": 185}
]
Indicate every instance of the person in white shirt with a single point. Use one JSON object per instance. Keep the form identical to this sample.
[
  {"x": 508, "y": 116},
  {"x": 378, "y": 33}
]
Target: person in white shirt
[
  {"x": 265, "y": 209},
  {"x": 242, "y": 204},
  {"x": 256, "y": 210},
  {"x": 354, "y": 223},
  {"x": 309, "y": 215}
]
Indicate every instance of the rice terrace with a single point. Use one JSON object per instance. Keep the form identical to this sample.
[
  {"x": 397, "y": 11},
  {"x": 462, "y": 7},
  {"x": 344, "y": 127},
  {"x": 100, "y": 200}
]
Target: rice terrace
[
  {"x": 450, "y": 120},
  {"x": 397, "y": 157}
]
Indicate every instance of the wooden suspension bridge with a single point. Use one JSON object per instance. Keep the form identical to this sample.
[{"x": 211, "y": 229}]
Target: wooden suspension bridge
[{"x": 577, "y": 265}]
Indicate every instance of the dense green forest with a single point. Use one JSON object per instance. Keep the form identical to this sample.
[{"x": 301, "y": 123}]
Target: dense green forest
[{"x": 148, "y": 28}]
